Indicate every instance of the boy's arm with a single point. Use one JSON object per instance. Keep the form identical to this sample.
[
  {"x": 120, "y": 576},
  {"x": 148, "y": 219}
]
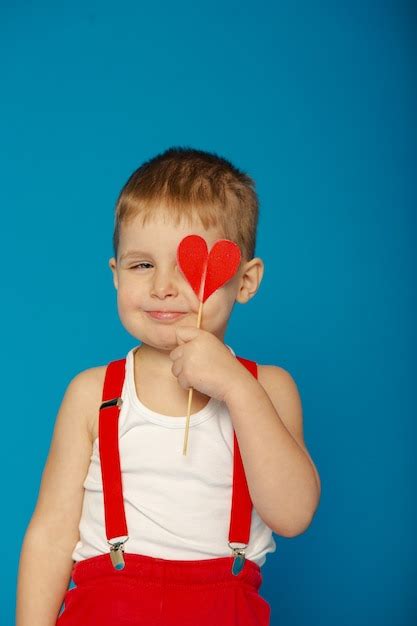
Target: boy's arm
[
  {"x": 45, "y": 560},
  {"x": 282, "y": 479},
  {"x": 284, "y": 395}
]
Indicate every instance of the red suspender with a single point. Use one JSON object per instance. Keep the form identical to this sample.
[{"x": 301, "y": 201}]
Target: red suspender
[
  {"x": 241, "y": 509},
  {"x": 114, "y": 512},
  {"x": 108, "y": 441}
]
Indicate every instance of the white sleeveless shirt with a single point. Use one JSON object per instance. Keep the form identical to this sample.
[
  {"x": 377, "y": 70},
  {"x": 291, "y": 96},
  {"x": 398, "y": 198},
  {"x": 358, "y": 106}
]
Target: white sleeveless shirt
[{"x": 177, "y": 506}]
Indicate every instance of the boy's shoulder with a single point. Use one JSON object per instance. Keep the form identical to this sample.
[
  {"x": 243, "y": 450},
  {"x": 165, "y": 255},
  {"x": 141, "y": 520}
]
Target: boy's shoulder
[
  {"x": 273, "y": 374},
  {"x": 90, "y": 379},
  {"x": 282, "y": 390},
  {"x": 88, "y": 385}
]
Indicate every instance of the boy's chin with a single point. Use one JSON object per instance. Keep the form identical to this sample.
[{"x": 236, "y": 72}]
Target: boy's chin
[{"x": 160, "y": 346}]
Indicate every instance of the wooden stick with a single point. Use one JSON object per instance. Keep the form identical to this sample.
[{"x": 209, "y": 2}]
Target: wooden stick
[{"x": 190, "y": 393}]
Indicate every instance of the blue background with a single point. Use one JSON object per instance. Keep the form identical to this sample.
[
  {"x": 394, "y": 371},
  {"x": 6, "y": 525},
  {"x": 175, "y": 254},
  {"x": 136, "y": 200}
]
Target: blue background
[{"x": 317, "y": 102}]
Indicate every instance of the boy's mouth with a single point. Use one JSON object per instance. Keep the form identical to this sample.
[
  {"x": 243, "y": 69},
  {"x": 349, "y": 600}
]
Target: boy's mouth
[{"x": 165, "y": 315}]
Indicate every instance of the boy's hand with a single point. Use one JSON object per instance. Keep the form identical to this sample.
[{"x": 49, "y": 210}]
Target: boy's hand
[{"x": 203, "y": 362}]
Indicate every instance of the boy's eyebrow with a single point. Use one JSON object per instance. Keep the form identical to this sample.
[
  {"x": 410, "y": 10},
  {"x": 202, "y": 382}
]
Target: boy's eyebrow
[{"x": 133, "y": 253}]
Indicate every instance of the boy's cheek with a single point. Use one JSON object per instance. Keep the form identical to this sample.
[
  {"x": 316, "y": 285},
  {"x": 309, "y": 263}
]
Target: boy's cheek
[
  {"x": 129, "y": 294},
  {"x": 215, "y": 312}
]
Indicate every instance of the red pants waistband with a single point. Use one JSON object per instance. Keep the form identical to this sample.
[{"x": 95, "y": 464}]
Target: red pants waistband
[{"x": 166, "y": 571}]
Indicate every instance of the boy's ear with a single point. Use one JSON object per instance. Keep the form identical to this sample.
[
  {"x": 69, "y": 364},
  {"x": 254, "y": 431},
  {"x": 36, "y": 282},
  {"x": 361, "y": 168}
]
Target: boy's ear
[
  {"x": 113, "y": 267},
  {"x": 250, "y": 278}
]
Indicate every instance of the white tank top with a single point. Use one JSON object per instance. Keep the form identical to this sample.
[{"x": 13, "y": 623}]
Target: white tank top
[{"x": 177, "y": 506}]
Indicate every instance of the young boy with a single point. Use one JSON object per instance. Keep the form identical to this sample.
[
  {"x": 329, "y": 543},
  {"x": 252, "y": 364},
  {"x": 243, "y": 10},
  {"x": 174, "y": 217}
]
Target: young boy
[{"x": 185, "y": 555}]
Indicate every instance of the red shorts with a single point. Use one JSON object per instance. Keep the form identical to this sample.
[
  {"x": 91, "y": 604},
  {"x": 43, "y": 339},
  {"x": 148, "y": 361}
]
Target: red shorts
[{"x": 162, "y": 592}]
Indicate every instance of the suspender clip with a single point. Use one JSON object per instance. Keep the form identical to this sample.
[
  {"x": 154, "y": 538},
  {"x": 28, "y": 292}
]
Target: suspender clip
[
  {"x": 113, "y": 402},
  {"x": 116, "y": 553},
  {"x": 238, "y": 554}
]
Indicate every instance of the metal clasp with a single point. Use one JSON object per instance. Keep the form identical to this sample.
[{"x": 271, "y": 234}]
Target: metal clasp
[
  {"x": 239, "y": 556},
  {"x": 113, "y": 402},
  {"x": 116, "y": 553}
]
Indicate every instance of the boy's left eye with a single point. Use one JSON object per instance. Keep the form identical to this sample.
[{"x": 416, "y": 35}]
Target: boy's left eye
[{"x": 140, "y": 265}]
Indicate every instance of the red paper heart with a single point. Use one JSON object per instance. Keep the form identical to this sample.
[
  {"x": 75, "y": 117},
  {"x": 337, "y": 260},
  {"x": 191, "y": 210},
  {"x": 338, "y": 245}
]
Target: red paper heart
[{"x": 211, "y": 270}]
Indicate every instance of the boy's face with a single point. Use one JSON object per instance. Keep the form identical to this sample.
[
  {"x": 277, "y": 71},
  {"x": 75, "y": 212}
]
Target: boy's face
[{"x": 147, "y": 278}]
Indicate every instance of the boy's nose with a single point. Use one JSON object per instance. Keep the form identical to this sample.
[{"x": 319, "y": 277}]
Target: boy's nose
[{"x": 165, "y": 283}]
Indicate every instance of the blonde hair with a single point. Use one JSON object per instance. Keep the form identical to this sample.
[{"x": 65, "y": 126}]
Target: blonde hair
[{"x": 188, "y": 183}]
